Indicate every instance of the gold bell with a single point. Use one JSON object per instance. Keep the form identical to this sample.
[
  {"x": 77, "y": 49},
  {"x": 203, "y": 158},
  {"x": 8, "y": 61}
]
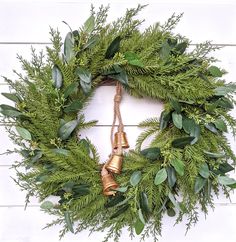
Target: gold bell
[
  {"x": 114, "y": 164},
  {"x": 109, "y": 184},
  {"x": 124, "y": 141}
]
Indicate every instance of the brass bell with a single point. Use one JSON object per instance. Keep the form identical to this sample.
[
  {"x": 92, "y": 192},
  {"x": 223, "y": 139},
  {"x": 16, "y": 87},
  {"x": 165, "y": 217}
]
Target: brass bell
[
  {"x": 124, "y": 141},
  {"x": 109, "y": 184},
  {"x": 114, "y": 164}
]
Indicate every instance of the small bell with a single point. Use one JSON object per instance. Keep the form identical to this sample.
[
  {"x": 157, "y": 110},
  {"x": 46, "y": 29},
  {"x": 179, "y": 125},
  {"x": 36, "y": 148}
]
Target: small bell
[
  {"x": 114, "y": 164},
  {"x": 109, "y": 184},
  {"x": 124, "y": 141}
]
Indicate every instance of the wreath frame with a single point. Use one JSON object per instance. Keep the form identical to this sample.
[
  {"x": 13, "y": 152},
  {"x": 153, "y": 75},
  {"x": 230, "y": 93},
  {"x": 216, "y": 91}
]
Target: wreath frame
[{"x": 188, "y": 158}]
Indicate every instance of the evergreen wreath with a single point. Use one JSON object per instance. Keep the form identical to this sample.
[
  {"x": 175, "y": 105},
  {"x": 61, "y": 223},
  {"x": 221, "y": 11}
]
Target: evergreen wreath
[{"x": 187, "y": 160}]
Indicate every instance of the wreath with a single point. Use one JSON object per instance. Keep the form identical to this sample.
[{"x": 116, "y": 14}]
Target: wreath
[{"x": 187, "y": 160}]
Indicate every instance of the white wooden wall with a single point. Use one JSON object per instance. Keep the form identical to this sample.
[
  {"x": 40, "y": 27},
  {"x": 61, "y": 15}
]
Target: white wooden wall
[{"x": 25, "y": 23}]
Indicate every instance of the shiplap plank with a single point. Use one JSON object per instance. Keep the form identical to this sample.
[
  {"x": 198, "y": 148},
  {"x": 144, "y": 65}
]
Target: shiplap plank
[
  {"x": 197, "y": 24},
  {"x": 17, "y": 225}
]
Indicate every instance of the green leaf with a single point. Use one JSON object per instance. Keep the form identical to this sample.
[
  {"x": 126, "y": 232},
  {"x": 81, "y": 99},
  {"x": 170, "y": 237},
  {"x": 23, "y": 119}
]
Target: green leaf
[
  {"x": 133, "y": 59},
  {"x": 160, "y": 176},
  {"x": 120, "y": 211},
  {"x": 57, "y": 77},
  {"x": 138, "y": 226},
  {"x": 69, "y": 46},
  {"x": 215, "y": 71},
  {"x": 180, "y": 48},
  {"x": 165, "y": 51},
  {"x": 176, "y": 105},
  {"x": 120, "y": 75},
  {"x": 171, "y": 212},
  {"x": 144, "y": 203},
  {"x": 135, "y": 178},
  {"x": 220, "y": 124},
  {"x": 178, "y": 165},
  {"x": 114, "y": 201},
  {"x": 173, "y": 200},
  {"x": 113, "y": 48},
  {"x": 225, "y": 103},
  {"x": 66, "y": 129},
  {"x": 225, "y": 168},
  {"x": 224, "y": 90},
  {"x": 61, "y": 151},
  {"x": 171, "y": 176},
  {"x": 182, "y": 142},
  {"x": 73, "y": 107},
  {"x": 177, "y": 120},
  {"x": 11, "y": 113},
  {"x": 204, "y": 171},
  {"x": 164, "y": 119},
  {"x": 24, "y": 133},
  {"x": 89, "y": 24},
  {"x": 47, "y": 205},
  {"x": 199, "y": 184},
  {"x": 11, "y": 96},
  {"x": 7, "y": 107},
  {"x": 91, "y": 42},
  {"x": 152, "y": 153},
  {"x": 141, "y": 217},
  {"x": 195, "y": 132},
  {"x": 68, "y": 221},
  {"x": 71, "y": 89},
  {"x": 225, "y": 180},
  {"x": 214, "y": 155},
  {"x": 211, "y": 127},
  {"x": 38, "y": 155},
  {"x": 121, "y": 189},
  {"x": 85, "y": 78}
]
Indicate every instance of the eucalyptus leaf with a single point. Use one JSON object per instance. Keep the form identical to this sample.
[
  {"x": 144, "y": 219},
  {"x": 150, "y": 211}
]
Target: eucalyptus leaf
[
  {"x": 199, "y": 184},
  {"x": 182, "y": 142},
  {"x": 75, "y": 106},
  {"x": 221, "y": 125},
  {"x": 61, "y": 151},
  {"x": 214, "y": 155},
  {"x": 224, "y": 90},
  {"x": 114, "y": 201},
  {"x": 89, "y": 24},
  {"x": 57, "y": 77},
  {"x": 24, "y": 133},
  {"x": 177, "y": 120},
  {"x": 120, "y": 211},
  {"x": 37, "y": 156},
  {"x": 69, "y": 46},
  {"x": 11, "y": 96},
  {"x": 178, "y": 165},
  {"x": 68, "y": 221},
  {"x": 141, "y": 217},
  {"x": 120, "y": 75},
  {"x": 171, "y": 176},
  {"x": 47, "y": 205},
  {"x": 215, "y": 71},
  {"x": 138, "y": 226},
  {"x": 133, "y": 59},
  {"x": 85, "y": 78},
  {"x": 195, "y": 132},
  {"x": 211, "y": 127},
  {"x": 152, "y": 153},
  {"x": 204, "y": 171},
  {"x": 71, "y": 89},
  {"x": 164, "y": 119},
  {"x": 165, "y": 51},
  {"x": 144, "y": 203},
  {"x": 225, "y": 180},
  {"x": 160, "y": 176},
  {"x": 173, "y": 200},
  {"x": 113, "y": 48},
  {"x": 135, "y": 178},
  {"x": 180, "y": 48},
  {"x": 66, "y": 129},
  {"x": 225, "y": 103},
  {"x": 176, "y": 105},
  {"x": 121, "y": 189},
  {"x": 11, "y": 113},
  {"x": 91, "y": 42},
  {"x": 225, "y": 168},
  {"x": 171, "y": 212}
]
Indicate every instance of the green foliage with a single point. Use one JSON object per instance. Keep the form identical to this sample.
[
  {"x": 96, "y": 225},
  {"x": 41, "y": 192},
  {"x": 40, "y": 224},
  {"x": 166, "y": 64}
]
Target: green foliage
[{"x": 188, "y": 154}]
